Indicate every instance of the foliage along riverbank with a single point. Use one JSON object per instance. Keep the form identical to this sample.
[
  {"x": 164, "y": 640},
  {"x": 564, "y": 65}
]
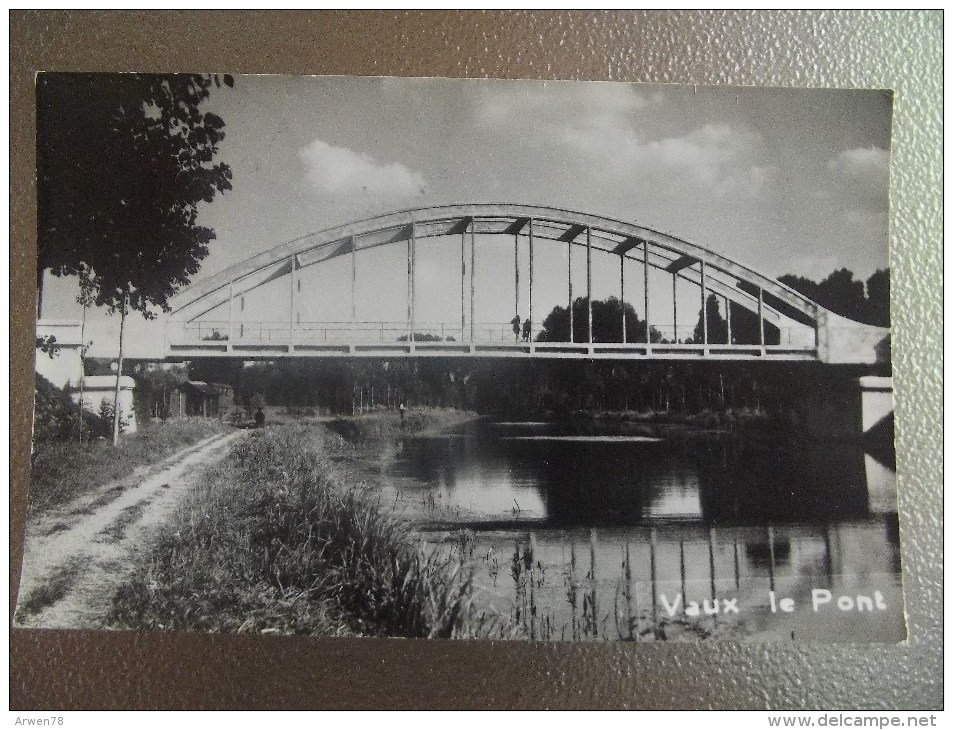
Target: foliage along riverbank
[
  {"x": 278, "y": 540},
  {"x": 383, "y": 424}
]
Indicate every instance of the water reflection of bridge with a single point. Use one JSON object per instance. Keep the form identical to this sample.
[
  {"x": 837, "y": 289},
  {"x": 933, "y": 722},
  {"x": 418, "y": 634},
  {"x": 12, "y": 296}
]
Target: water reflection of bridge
[
  {"x": 727, "y": 482},
  {"x": 615, "y": 583},
  {"x": 582, "y": 535},
  {"x": 231, "y": 314}
]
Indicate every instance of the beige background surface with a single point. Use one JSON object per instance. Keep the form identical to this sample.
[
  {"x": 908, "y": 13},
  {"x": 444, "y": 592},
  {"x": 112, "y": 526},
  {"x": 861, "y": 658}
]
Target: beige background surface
[{"x": 900, "y": 51}]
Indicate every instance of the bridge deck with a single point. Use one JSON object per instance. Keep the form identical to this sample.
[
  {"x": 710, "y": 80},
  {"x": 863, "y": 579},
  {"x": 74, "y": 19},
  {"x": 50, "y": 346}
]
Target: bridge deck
[{"x": 540, "y": 350}]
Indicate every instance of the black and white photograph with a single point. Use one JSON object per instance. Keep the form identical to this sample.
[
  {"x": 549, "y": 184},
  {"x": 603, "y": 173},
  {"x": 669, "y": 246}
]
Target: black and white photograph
[{"x": 437, "y": 358}]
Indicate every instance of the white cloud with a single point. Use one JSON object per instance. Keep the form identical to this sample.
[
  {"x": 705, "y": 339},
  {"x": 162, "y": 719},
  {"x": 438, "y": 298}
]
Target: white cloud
[
  {"x": 711, "y": 154},
  {"x": 861, "y": 162},
  {"x": 600, "y": 127},
  {"x": 339, "y": 170},
  {"x": 865, "y": 172},
  {"x": 717, "y": 158}
]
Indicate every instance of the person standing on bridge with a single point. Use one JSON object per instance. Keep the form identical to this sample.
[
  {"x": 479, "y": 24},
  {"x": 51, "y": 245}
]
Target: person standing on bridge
[
  {"x": 516, "y": 327},
  {"x": 527, "y": 328}
]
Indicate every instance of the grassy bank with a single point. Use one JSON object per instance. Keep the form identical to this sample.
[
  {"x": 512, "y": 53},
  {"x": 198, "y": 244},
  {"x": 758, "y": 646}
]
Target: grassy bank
[
  {"x": 383, "y": 424},
  {"x": 275, "y": 540},
  {"x": 63, "y": 470}
]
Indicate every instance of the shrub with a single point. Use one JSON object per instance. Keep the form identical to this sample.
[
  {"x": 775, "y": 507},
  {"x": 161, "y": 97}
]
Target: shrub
[
  {"x": 106, "y": 412},
  {"x": 57, "y": 418}
]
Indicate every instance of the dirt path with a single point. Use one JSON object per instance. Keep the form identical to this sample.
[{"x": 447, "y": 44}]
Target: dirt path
[{"x": 77, "y": 555}]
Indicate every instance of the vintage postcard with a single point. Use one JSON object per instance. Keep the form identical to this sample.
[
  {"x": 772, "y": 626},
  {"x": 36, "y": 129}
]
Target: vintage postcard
[{"x": 433, "y": 358}]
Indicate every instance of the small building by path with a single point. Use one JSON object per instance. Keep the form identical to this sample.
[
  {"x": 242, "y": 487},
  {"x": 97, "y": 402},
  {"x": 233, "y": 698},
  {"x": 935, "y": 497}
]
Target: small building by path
[
  {"x": 197, "y": 398},
  {"x": 98, "y": 394}
]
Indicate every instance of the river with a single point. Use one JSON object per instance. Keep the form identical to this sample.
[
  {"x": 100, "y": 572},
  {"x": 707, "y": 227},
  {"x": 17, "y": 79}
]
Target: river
[{"x": 664, "y": 533}]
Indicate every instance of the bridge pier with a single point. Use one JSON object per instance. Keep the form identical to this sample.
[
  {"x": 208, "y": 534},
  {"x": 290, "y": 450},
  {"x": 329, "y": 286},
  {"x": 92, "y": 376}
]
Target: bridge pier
[
  {"x": 876, "y": 401},
  {"x": 846, "y": 407}
]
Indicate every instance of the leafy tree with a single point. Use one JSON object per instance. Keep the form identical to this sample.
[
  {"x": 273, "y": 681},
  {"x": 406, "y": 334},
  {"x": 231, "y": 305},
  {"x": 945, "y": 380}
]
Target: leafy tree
[
  {"x": 744, "y": 327},
  {"x": 48, "y": 346},
  {"x": 55, "y": 417},
  {"x": 426, "y": 337},
  {"x": 107, "y": 414},
  {"x": 843, "y": 292},
  {"x": 848, "y": 297},
  {"x": 717, "y": 325},
  {"x": 606, "y": 323},
  {"x": 878, "y": 298},
  {"x": 123, "y": 162}
]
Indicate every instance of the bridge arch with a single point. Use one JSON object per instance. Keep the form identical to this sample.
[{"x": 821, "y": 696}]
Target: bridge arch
[{"x": 731, "y": 281}]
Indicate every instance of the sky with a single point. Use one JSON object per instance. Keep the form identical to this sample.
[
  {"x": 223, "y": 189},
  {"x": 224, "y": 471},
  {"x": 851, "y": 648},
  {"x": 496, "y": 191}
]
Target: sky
[{"x": 784, "y": 180}]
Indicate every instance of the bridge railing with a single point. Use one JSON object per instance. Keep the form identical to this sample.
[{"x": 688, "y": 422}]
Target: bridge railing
[
  {"x": 210, "y": 331},
  {"x": 794, "y": 336},
  {"x": 206, "y": 333}
]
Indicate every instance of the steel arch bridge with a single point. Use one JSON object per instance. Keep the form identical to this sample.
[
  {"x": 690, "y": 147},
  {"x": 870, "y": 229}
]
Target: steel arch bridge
[{"x": 790, "y": 327}]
